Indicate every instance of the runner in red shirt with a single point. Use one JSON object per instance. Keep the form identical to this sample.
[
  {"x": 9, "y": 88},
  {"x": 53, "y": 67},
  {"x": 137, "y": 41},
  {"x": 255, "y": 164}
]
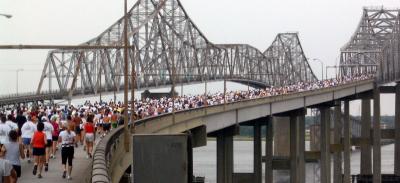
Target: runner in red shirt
[
  {"x": 38, "y": 142},
  {"x": 89, "y": 135}
]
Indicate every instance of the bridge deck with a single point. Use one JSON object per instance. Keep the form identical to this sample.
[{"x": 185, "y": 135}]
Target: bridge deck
[{"x": 80, "y": 168}]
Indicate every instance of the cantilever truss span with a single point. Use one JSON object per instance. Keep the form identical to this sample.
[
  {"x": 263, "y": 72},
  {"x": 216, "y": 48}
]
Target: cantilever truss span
[
  {"x": 375, "y": 45},
  {"x": 289, "y": 61},
  {"x": 167, "y": 47}
]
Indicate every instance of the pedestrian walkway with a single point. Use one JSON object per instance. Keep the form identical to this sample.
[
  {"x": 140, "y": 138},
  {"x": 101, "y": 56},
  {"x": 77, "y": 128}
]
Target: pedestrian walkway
[{"x": 80, "y": 170}]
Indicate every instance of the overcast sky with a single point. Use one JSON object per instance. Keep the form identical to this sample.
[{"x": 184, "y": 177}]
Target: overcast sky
[{"x": 323, "y": 25}]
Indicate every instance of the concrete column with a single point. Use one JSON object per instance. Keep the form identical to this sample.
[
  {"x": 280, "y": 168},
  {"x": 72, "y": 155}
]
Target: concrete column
[
  {"x": 346, "y": 143},
  {"x": 221, "y": 158},
  {"x": 294, "y": 153},
  {"x": 268, "y": 151},
  {"x": 257, "y": 163},
  {"x": 377, "y": 137},
  {"x": 315, "y": 131},
  {"x": 224, "y": 158},
  {"x": 297, "y": 146},
  {"x": 365, "y": 164},
  {"x": 325, "y": 146},
  {"x": 397, "y": 133},
  {"x": 302, "y": 144},
  {"x": 337, "y": 159},
  {"x": 281, "y": 137}
]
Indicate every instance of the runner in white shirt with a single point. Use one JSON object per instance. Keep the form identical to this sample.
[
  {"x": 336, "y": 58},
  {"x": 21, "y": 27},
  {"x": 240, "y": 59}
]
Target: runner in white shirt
[
  {"x": 48, "y": 130},
  {"x": 12, "y": 125},
  {"x": 4, "y": 130},
  {"x": 27, "y": 130},
  {"x": 67, "y": 139}
]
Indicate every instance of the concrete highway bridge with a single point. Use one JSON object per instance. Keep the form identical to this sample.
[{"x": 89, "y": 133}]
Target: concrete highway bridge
[
  {"x": 167, "y": 48},
  {"x": 222, "y": 121}
]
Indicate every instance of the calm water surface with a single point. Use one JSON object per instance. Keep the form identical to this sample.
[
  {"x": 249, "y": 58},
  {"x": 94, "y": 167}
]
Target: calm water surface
[{"x": 204, "y": 159}]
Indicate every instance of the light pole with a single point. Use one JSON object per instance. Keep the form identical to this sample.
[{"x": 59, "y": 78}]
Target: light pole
[
  {"x": 322, "y": 67},
  {"x": 6, "y": 15},
  {"x": 16, "y": 71},
  {"x": 126, "y": 132}
]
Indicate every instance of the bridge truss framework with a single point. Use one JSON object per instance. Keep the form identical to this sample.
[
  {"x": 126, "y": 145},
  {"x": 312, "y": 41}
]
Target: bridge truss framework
[
  {"x": 374, "y": 47},
  {"x": 167, "y": 48}
]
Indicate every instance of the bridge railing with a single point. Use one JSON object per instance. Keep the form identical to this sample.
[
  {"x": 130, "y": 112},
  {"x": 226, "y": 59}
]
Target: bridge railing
[
  {"x": 102, "y": 155},
  {"x": 29, "y": 94}
]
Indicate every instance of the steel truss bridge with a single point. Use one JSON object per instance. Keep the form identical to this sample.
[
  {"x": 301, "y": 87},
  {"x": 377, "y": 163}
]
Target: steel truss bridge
[
  {"x": 168, "y": 48},
  {"x": 375, "y": 46}
]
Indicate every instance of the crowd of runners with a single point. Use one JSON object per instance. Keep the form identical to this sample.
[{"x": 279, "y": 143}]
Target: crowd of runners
[{"x": 36, "y": 133}]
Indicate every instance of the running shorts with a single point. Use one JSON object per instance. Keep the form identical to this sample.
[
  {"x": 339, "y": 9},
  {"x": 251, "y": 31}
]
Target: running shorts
[{"x": 89, "y": 137}]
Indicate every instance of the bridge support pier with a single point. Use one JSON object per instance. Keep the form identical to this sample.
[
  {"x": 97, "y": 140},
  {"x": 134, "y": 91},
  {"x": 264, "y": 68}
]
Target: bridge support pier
[
  {"x": 225, "y": 156},
  {"x": 281, "y": 139},
  {"x": 302, "y": 143},
  {"x": 281, "y": 130},
  {"x": 346, "y": 143},
  {"x": 268, "y": 150},
  {"x": 365, "y": 162},
  {"x": 289, "y": 142},
  {"x": 325, "y": 145},
  {"x": 377, "y": 137},
  {"x": 337, "y": 159},
  {"x": 297, "y": 145},
  {"x": 257, "y": 162},
  {"x": 397, "y": 132}
]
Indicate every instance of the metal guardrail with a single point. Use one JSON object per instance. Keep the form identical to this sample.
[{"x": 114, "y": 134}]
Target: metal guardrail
[{"x": 16, "y": 99}]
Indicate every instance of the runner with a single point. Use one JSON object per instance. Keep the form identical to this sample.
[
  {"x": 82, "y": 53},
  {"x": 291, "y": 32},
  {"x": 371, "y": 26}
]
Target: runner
[
  {"x": 55, "y": 134},
  {"x": 21, "y": 119},
  {"x": 27, "y": 131},
  {"x": 13, "y": 151},
  {"x": 48, "y": 129},
  {"x": 106, "y": 123},
  {"x": 11, "y": 123},
  {"x": 83, "y": 122},
  {"x": 4, "y": 130},
  {"x": 6, "y": 171},
  {"x": 89, "y": 135},
  {"x": 77, "y": 122},
  {"x": 67, "y": 139},
  {"x": 38, "y": 142},
  {"x": 114, "y": 119},
  {"x": 98, "y": 121}
]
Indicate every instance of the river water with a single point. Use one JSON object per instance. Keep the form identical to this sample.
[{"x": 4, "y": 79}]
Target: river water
[{"x": 204, "y": 160}]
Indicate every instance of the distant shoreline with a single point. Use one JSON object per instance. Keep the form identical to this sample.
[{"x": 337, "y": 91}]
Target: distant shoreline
[{"x": 247, "y": 138}]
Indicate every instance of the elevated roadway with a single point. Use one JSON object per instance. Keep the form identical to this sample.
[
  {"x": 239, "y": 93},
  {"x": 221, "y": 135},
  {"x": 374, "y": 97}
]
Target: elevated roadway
[{"x": 111, "y": 161}]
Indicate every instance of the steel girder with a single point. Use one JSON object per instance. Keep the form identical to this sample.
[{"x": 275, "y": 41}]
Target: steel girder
[
  {"x": 169, "y": 48},
  {"x": 289, "y": 63},
  {"x": 374, "y": 47}
]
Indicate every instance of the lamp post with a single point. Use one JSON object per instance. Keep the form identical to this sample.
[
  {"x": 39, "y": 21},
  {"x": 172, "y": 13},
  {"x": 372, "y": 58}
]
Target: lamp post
[
  {"x": 126, "y": 132},
  {"x": 322, "y": 67},
  {"x": 6, "y": 15},
  {"x": 16, "y": 71}
]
